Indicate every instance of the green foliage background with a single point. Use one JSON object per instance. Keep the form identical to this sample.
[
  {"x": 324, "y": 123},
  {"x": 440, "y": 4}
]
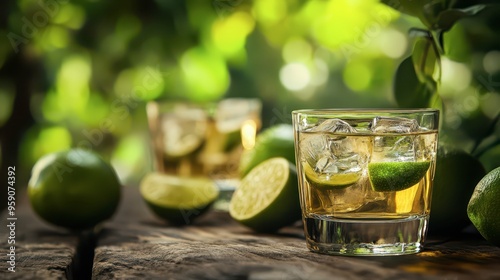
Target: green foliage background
[{"x": 78, "y": 73}]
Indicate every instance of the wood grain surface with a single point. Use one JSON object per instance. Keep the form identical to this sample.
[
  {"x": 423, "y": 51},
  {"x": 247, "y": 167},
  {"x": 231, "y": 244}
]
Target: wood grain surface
[
  {"x": 137, "y": 245},
  {"x": 41, "y": 251}
]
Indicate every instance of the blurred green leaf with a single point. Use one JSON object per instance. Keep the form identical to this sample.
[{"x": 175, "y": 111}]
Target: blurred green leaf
[
  {"x": 426, "y": 11},
  {"x": 461, "y": 4},
  {"x": 409, "y": 92},
  {"x": 410, "y": 7},
  {"x": 479, "y": 33},
  {"x": 477, "y": 125},
  {"x": 424, "y": 58},
  {"x": 491, "y": 158},
  {"x": 99, "y": 61},
  {"x": 431, "y": 11},
  {"x": 447, "y": 18}
]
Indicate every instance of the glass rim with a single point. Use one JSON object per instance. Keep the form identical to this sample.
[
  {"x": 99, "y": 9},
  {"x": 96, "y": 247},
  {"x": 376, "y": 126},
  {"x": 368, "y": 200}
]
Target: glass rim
[{"x": 327, "y": 111}]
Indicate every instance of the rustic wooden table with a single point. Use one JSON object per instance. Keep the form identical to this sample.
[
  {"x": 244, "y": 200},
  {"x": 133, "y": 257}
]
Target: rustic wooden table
[{"x": 134, "y": 244}]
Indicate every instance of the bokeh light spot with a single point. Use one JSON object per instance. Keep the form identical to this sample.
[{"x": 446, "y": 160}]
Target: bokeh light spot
[
  {"x": 51, "y": 139},
  {"x": 229, "y": 34},
  {"x": 320, "y": 72},
  {"x": 205, "y": 75},
  {"x": 59, "y": 37},
  {"x": 351, "y": 22},
  {"x": 124, "y": 82},
  {"x": 96, "y": 111},
  {"x": 455, "y": 77},
  {"x": 393, "y": 43},
  {"x": 297, "y": 50},
  {"x": 269, "y": 12},
  {"x": 72, "y": 16},
  {"x": 489, "y": 104},
  {"x": 128, "y": 158},
  {"x": 357, "y": 76},
  {"x": 148, "y": 83},
  {"x": 295, "y": 76},
  {"x": 491, "y": 62}
]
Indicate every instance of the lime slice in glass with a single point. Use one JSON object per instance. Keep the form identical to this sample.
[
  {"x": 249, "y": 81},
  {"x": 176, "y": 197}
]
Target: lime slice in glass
[
  {"x": 178, "y": 199},
  {"x": 182, "y": 147},
  {"x": 396, "y": 176},
  {"x": 184, "y": 131},
  {"x": 330, "y": 181},
  {"x": 267, "y": 198}
]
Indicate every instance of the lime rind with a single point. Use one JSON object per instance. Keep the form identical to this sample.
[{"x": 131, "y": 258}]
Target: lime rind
[
  {"x": 483, "y": 206},
  {"x": 331, "y": 181},
  {"x": 70, "y": 201},
  {"x": 396, "y": 176},
  {"x": 170, "y": 191}
]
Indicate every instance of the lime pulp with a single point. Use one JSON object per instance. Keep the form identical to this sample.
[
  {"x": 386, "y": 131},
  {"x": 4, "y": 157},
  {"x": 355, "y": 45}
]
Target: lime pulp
[
  {"x": 330, "y": 181},
  {"x": 178, "y": 199},
  {"x": 267, "y": 197}
]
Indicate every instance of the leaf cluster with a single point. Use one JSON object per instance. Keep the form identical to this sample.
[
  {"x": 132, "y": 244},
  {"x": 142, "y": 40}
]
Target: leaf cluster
[{"x": 461, "y": 31}]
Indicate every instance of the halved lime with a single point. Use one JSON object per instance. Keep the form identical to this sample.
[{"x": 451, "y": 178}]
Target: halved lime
[
  {"x": 396, "y": 176},
  {"x": 331, "y": 181},
  {"x": 267, "y": 198},
  {"x": 178, "y": 199}
]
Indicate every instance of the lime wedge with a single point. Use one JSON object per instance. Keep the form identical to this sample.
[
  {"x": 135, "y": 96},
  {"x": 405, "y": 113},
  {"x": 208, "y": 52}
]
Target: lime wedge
[
  {"x": 184, "y": 132},
  {"x": 178, "y": 199},
  {"x": 330, "y": 182},
  {"x": 396, "y": 176},
  {"x": 267, "y": 198},
  {"x": 176, "y": 148}
]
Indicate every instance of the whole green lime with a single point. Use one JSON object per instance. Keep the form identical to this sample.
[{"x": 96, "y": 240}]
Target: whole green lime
[
  {"x": 484, "y": 206},
  {"x": 456, "y": 175},
  {"x": 275, "y": 141},
  {"x": 75, "y": 189}
]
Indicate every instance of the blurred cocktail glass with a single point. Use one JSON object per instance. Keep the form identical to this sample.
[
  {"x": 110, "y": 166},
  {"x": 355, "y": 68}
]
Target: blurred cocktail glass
[
  {"x": 365, "y": 178},
  {"x": 203, "y": 140}
]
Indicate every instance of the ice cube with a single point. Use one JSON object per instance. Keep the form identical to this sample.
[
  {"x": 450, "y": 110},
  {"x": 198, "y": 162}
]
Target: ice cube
[
  {"x": 394, "y": 147},
  {"x": 325, "y": 165},
  {"x": 314, "y": 148},
  {"x": 184, "y": 130},
  {"x": 331, "y": 154},
  {"x": 345, "y": 153},
  {"x": 231, "y": 113},
  {"x": 318, "y": 145},
  {"x": 394, "y": 125},
  {"x": 328, "y": 202},
  {"x": 334, "y": 125}
]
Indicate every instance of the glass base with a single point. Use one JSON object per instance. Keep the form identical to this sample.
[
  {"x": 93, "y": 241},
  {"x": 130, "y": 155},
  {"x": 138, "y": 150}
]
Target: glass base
[{"x": 365, "y": 237}]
